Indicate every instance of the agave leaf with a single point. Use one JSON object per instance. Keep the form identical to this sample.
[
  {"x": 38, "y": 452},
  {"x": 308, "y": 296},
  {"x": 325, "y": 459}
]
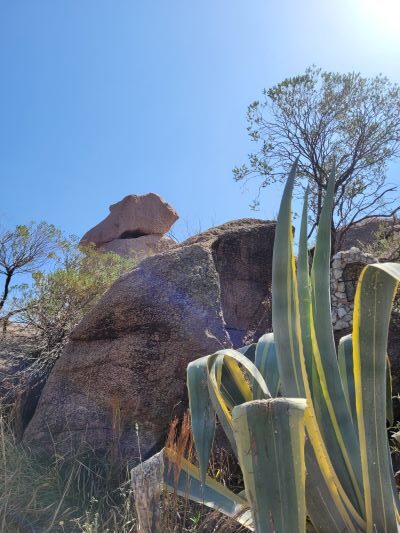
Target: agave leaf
[
  {"x": 267, "y": 363},
  {"x": 226, "y": 382},
  {"x": 292, "y": 369},
  {"x": 372, "y": 308},
  {"x": 389, "y": 398},
  {"x": 185, "y": 481},
  {"x": 334, "y": 415},
  {"x": 320, "y": 277},
  {"x": 315, "y": 478},
  {"x": 304, "y": 291},
  {"x": 270, "y": 437},
  {"x": 233, "y": 359},
  {"x": 220, "y": 397},
  {"x": 345, "y": 360},
  {"x": 249, "y": 351},
  {"x": 202, "y": 412},
  {"x": 284, "y": 312}
]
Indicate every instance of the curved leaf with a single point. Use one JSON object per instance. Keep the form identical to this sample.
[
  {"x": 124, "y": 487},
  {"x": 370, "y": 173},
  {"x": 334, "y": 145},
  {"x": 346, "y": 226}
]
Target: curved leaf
[
  {"x": 267, "y": 363},
  {"x": 372, "y": 309},
  {"x": 202, "y": 412}
]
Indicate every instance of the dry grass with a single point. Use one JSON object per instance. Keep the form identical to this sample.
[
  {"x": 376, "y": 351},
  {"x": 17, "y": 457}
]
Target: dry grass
[
  {"x": 90, "y": 496},
  {"x": 179, "y": 513},
  {"x": 58, "y": 496}
]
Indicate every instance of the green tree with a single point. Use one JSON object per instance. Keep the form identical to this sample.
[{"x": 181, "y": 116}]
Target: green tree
[
  {"x": 58, "y": 299},
  {"x": 25, "y": 249},
  {"x": 325, "y": 118},
  {"x": 70, "y": 281}
]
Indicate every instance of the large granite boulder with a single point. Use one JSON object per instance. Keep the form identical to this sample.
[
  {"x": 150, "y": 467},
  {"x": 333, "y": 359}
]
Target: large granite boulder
[
  {"x": 121, "y": 378},
  {"x": 137, "y": 224}
]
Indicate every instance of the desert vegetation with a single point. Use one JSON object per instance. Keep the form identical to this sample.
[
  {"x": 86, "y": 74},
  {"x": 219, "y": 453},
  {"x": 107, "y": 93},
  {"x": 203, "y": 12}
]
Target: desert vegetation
[
  {"x": 51, "y": 493},
  {"x": 289, "y": 404},
  {"x": 320, "y": 118},
  {"x": 289, "y": 433},
  {"x": 294, "y": 384},
  {"x": 61, "y": 282}
]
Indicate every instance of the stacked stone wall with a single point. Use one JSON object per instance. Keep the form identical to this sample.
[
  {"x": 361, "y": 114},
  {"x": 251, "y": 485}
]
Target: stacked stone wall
[{"x": 346, "y": 268}]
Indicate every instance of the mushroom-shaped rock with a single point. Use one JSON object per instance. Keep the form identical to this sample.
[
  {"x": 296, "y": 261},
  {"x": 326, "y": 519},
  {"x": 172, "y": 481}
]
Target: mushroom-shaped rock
[{"x": 134, "y": 216}]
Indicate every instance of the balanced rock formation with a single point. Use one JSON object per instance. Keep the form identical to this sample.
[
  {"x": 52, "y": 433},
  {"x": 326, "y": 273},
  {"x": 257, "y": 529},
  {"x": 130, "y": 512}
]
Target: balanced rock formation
[
  {"x": 136, "y": 224},
  {"x": 122, "y": 377}
]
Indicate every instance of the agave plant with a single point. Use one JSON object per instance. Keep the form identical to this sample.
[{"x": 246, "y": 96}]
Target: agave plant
[{"x": 307, "y": 424}]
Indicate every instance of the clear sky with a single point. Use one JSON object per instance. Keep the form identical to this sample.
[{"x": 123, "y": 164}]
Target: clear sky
[{"x": 103, "y": 98}]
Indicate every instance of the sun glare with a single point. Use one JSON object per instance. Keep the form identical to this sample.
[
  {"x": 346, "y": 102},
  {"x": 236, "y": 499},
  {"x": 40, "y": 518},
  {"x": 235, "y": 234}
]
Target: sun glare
[{"x": 383, "y": 15}]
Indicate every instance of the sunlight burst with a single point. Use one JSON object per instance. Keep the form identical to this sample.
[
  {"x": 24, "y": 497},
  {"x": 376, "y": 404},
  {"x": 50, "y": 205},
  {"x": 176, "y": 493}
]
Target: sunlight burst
[{"x": 383, "y": 14}]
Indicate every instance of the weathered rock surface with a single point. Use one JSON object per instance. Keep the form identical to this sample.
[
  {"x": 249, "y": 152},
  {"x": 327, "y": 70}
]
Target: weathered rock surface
[
  {"x": 364, "y": 232},
  {"x": 134, "y": 216},
  {"x": 140, "y": 247},
  {"x": 126, "y": 361}
]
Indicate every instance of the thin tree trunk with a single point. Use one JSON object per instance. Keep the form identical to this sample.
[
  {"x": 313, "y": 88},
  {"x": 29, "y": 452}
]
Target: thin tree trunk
[{"x": 6, "y": 289}]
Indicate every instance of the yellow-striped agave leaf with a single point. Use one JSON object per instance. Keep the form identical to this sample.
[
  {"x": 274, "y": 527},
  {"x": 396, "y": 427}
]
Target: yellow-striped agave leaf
[
  {"x": 270, "y": 438},
  {"x": 333, "y": 413},
  {"x": 329, "y": 494},
  {"x": 373, "y": 304},
  {"x": 345, "y": 359},
  {"x": 285, "y": 316},
  {"x": 304, "y": 292},
  {"x": 340, "y": 400},
  {"x": 345, "y": 362},
  {"x": 202, "y": 412},
  {"x": 185, "y": 481},
  {"x": 389, "y": 397},
  {"x": 267, "y": 363}
]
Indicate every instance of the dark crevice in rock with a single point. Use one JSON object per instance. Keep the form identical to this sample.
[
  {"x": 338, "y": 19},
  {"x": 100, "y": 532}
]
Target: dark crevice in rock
[
  {"x": 132, "y": 234},
  {"x": 244, "y": 265}
]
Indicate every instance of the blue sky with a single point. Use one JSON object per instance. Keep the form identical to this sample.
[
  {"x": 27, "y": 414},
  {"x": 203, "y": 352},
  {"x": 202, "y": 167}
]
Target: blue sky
[{"x": 103, "y": 98}]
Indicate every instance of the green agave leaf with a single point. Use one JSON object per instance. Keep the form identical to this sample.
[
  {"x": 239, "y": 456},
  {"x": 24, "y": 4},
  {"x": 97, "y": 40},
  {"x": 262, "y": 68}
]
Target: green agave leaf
[
  {"x": 389, "y": 395},
  {"x": 267, "y": 363},
  {"x": 228, "y": 386},
  {"x": 330, "y": 514},
  {"x": 345, "y": 360},
  {"x": 292, "y": 369},
  {"x": 373, "y": 304},
  {"x": 304, "y": 291},
  {"x": 249, "y": 351},
  {"x": 202, "y": 412},
  {"x": 270, "y": 437},
  {"x": 333, "y": 413},
  {"x": 183, "y": 478},
  {"x": 320, "y": 277},
  {"x": 220, "y": 397},
  {"x": 284, "y": 312}
]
